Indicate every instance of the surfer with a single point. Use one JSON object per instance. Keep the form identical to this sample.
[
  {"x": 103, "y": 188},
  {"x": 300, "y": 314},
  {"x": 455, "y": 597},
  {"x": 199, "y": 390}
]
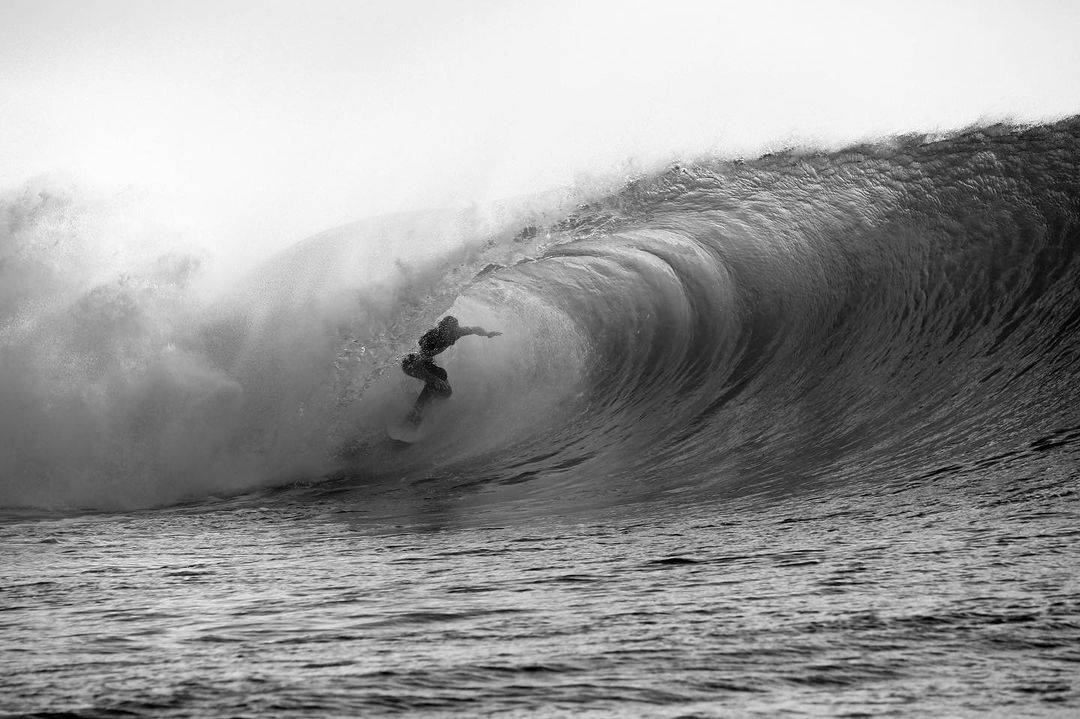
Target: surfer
[{"x": 421, "y": 365}]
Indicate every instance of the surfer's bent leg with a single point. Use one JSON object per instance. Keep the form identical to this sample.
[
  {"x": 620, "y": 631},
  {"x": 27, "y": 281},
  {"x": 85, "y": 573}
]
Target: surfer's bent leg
[
  {"x": 432, "y": 374},
  {"x": 434, "y": 377},
  {"x": 413, "y": 365},
  {"x": 440, "y": 374},
  {"x": 436, "y": 386}
]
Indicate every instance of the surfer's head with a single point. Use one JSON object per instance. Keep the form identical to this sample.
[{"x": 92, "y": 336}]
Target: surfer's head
[{"x": 448, "y": 323}]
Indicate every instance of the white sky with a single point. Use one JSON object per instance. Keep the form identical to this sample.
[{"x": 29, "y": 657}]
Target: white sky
[{"x": 263, "y": 122}]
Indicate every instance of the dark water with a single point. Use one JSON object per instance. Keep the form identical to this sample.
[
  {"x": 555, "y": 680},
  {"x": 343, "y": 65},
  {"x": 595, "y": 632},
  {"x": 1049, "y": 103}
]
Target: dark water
[{"x": 791, "y": 435}]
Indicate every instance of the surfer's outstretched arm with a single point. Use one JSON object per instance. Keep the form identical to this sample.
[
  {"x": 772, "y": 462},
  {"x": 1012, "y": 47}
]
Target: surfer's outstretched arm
[{"x": 462, "y": 331}]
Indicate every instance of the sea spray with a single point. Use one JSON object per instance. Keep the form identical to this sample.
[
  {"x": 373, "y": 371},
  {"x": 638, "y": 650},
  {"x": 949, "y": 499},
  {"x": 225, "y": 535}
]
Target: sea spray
[{"x": 129, "y": 379}]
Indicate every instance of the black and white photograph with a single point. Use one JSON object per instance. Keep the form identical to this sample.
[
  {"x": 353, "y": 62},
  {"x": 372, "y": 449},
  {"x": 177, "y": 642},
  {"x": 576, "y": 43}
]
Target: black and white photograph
[{"x": 539, "y": 358}]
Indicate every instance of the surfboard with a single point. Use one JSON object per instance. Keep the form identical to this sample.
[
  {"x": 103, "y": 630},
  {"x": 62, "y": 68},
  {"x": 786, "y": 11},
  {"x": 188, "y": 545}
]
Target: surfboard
[{"x": 406, "y": 431}]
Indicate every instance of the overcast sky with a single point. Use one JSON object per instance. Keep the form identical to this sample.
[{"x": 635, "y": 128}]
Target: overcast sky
[{"x": 264, "y": 122}]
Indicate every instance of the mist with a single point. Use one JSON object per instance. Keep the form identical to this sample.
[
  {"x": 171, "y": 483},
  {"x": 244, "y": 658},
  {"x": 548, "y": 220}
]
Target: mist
[{"x": 246, "y": 126}]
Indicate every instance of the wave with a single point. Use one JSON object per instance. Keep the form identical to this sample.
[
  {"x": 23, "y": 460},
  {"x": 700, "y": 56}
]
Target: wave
[{"x": 808, "y": 318}]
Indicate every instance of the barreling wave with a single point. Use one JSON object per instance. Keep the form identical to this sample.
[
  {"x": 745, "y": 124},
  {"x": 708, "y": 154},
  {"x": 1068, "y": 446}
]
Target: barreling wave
[{"x": 882, "y": 313}]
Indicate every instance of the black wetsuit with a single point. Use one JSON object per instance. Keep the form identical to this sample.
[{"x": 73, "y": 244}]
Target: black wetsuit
[
  {"x": 421, "y": 365},
  {"x": 434, "y": 377}
]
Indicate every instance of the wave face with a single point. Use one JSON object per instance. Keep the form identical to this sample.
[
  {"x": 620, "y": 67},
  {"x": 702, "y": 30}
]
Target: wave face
[{"x": 890, "y": 312}]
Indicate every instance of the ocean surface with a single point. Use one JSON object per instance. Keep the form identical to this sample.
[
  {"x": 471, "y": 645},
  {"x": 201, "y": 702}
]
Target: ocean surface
[{"x": 789, "y": 436}]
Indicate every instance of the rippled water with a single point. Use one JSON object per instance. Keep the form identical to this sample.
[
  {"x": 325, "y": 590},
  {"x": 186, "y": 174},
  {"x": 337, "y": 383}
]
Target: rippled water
[{"x": 957, "y": 599}]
